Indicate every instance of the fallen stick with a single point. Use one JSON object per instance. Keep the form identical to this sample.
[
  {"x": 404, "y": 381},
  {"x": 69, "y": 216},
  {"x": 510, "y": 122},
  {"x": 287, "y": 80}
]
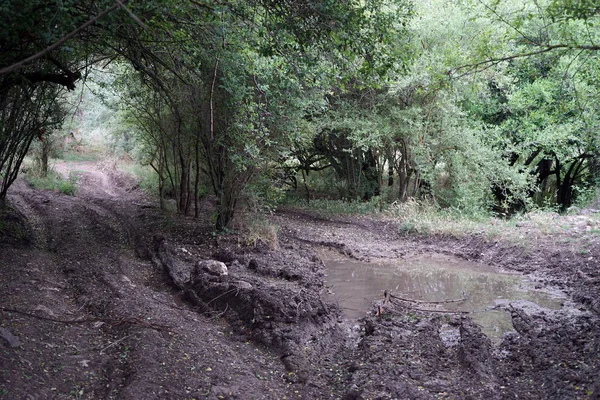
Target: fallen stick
[
  {"x": 114, "y": 343},
  {"x": 428, "y": 302},
  {"x": 525, "y": 319},
  {"x": 110, "y": 321},
  {"x": 434, "y": 311}
]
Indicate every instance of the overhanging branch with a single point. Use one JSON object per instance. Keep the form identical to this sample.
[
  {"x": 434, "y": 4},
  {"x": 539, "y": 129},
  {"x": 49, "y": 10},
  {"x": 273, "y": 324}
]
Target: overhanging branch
[
  {"x": 62, "y": 40},
  {"x": 483, "y": 65}
]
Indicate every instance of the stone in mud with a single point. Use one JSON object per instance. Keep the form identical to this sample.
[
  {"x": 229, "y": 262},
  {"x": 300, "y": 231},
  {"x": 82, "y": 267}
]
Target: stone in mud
[
  {"x": 7, "y": 335},
  {"x": 298, "y": 367},
  {"x": 180, "y": 272},
  {"x": 213, "y": 267},
  {"x": 223, "y": 393}
]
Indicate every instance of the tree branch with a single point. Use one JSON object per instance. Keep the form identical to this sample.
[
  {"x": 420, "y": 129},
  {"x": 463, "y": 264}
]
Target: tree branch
[
  {"x": 472, "y": 68},
  {"x": 62, "y": 40}
]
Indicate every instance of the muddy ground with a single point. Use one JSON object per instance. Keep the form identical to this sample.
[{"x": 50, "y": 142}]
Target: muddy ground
[{"x": 102, "y": 296}]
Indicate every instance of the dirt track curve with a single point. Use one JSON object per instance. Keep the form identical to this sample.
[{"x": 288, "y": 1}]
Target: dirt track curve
[{"x": 103, "y": 300}]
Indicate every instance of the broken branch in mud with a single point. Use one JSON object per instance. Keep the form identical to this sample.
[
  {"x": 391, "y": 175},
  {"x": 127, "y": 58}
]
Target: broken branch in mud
[
  {"x": 428, "y": 302},
  {"x": 433, "y": 311},
  {"x": 222, "y": 313},
  {"x": 110, "y": 321},
  {"x": 389, "y": 299},
  {"x": 223, "y": 294},
  {"x": 525, "y": 319}
]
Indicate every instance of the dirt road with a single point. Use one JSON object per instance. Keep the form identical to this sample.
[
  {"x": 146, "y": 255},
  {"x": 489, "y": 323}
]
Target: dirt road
[{"x": 103, "y": 299}]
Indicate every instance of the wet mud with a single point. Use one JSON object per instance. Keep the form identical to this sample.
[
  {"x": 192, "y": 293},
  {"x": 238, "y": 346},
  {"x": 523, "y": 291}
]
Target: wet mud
[
  {"x": 436, "y": 283},
  {"x": 106, "y": 297}
]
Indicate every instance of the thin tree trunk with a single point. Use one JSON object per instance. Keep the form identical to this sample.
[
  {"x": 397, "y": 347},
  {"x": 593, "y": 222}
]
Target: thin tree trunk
[
  {"x": 390, "y": 172},
  {"x": 197, "y": 177},
  {"x": 304, "y": 178}
]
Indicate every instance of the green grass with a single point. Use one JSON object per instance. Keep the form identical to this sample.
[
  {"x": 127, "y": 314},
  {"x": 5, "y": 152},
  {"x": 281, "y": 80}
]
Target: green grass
[
  {"x": 147, "y": 177},
  {"x": 53, "y": 181},
  {"x": 426, "y": 218},
  {"x": 74, "y": 156},
  {"x": 336, "y": 207}
]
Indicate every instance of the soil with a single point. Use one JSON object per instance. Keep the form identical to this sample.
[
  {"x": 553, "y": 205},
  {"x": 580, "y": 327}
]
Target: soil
[{"x": 104, "y": 296}]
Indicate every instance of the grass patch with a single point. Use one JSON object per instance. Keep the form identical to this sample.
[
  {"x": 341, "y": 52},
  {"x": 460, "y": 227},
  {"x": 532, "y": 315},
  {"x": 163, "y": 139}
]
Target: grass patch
[
  {"x": 53, "y": 181},
  {"x": 427, "y": 218},
  {"x": 257, "y": 229},
  {"x": 336, "y": 207},
  {"x": 145, "y": 175},
  {"x": 76, "y": 156}
]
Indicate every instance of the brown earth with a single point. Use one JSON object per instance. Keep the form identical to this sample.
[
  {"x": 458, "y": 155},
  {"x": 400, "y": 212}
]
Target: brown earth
[{"x": 101, "y": 297}]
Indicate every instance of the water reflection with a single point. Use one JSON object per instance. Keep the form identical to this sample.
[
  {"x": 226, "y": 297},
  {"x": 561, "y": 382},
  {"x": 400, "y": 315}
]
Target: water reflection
[{"x": 355, "y": 285}]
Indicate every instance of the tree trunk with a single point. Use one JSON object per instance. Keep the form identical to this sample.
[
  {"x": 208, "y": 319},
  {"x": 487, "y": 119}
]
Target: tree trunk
[
  {"x": 304, "y": 178},
  {"x": 44, "y": 156},
  {"x": 564, "y": 196},
  {"x": 197, "y": 179},
  {"x": 390, "y": 172}
]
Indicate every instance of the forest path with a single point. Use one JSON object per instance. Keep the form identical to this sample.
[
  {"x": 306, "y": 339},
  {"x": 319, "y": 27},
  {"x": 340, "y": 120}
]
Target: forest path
[{"x": 96, "y": 318}]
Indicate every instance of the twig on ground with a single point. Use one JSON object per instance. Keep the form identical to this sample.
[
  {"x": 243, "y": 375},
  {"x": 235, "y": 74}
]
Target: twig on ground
[
  {"x": 222, "y": 313},
  {"x": 523, "y": 317},
  {"x": 110, "y": 321},
  {"x": 222, "y": 294},
  {"x": 115, "y": 343}
]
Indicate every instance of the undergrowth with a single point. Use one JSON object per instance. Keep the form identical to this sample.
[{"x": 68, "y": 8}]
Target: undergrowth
[
  {"x": 418, "y": 217},
  {"x": 53, "y": 181},
  {"x": 81, "y": 156},
  {"x": 145, "y": 175},
  {"x": 427, "y": 218},
  {"x": 257, "y": 229},
  {"x": 336, "y": 207}
]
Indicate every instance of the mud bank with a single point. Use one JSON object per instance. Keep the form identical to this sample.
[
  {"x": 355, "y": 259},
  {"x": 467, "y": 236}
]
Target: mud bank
[{"x": 105, "y": 297}]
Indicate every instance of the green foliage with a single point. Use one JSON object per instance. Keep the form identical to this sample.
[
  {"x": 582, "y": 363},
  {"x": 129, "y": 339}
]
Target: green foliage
[
  {"x": 263, "y": 194},
  {"x": 54, "y": 181},
  {"x": 472, "y": 106},
  {"x": 336, "y": 207},
  {"x": 147, "y": 178}
]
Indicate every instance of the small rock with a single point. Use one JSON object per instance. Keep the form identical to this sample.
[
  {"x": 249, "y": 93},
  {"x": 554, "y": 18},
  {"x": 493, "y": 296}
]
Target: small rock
[
  {"x": 12, "y": 340},
  {"x": 449, "y": 335},
  {"x": 222, "y": 393},
  {"x": 213, "y": 267}
]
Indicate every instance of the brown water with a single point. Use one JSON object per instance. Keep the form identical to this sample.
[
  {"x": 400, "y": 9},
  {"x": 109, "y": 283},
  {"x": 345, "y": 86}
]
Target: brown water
[{"x": 356, "y": 285}]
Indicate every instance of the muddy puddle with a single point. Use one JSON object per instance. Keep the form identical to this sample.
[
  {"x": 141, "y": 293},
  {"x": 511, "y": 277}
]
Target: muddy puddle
[{"x": 459, "y": 286}]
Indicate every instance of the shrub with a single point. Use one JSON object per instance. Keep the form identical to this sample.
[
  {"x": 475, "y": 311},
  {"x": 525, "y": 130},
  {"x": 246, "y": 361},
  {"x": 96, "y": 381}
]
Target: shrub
[{"x": 53, "y": 181}]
